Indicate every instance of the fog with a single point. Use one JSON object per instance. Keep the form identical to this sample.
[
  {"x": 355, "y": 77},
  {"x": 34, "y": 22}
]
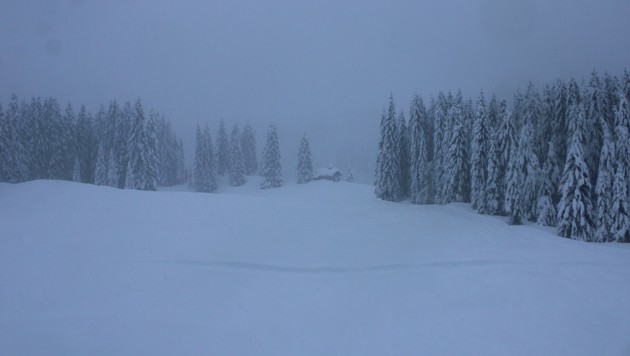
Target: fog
[{"x": 324, "y": 67}]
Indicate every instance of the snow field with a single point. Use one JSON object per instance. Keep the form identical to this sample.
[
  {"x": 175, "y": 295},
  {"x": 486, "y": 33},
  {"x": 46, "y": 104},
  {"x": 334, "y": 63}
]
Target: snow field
[{"x": 321, "y": 268}]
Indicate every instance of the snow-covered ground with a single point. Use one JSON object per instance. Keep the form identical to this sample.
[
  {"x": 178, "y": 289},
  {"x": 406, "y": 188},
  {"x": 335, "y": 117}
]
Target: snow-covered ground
[{"x": 321, "y": 269}]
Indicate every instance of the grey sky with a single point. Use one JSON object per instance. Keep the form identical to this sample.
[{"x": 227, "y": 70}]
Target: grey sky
[{"x": 320, "y": 66}]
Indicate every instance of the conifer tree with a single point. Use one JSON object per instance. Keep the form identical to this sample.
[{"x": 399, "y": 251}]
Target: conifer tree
[
  {"x": 138, "y": 167},
  {"x": 440, "y": 147},
  {"x": 479, "y": 158},
  {"x": 528, "y": 167},
  {"x": 305, "y": 164},
  {"x": 458, "y": 165},
  {"x": 506, "y": 141},
  {"x": 403, "y": 155},
  {"x": 620, "y": 229},
  {"x": 248, "y": 147},
  {"x": 271, "y": 170},
  {"x": 575, "y": 208},
  {"x": 100, "y": 170},
  {"x": 419, "y": 168},
  {"x": 545, "y": 208},
  {"x": 223, "y": 150},
  {"x": 112, "y": 170},
  {"x": 237, "y": 166},
  {"x": 150, "y": 175},
  {"x": 387, "y": 185},
  {"x": 494, "y": 200},
  {"x": 514, "y": 190},
  {"x": 204, "y": 173},
  {"x": 86, "y": 145},
  {"x": 604, "y": 188}
]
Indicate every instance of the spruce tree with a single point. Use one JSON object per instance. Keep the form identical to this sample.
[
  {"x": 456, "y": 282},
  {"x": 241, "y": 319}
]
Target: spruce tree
[
  {"x": 575, "y": 219},
  {"x": 546, "y": 213},
  {"x": 506, "y": 143},
  {"x": 237, "y": 166},
  {"x": 419, "y": 168},
  {"x": 138, "y": 167},
  {"x": 620, "y": 229},
  {"x": 494, "y": 201},
  {"x": 223, "y": 150},
  {"x": 387, "y": 185},
  {"x": 86, "y": 145},
  {"x": 305, "y": 164},
  {"x": 100, "y": 170},
  {"x": 479, "y": 158},
  {"x": 198, "y": 175},
  {"x": 403, "y": 155},
  {"x": 604, "y": 188},
  {"x": 204, "y": 172},
  {"x": 248, "y": 147},
  {"x": 514, "y": 189},
  {"x": 529, "y": 170},
  {"x": 458, "y": 166},
  {"x": 112, "y": 170},
  {"x": 271, "y": 170}
]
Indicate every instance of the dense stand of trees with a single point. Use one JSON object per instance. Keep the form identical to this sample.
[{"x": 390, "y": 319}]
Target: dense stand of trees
[
  {"x": 120, "y": 147},
  {"x": 560, "y": 157}
]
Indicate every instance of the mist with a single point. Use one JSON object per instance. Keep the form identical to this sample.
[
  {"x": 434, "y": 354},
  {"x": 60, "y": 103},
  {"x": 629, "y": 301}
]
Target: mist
[{"x": 326, "y": 68}]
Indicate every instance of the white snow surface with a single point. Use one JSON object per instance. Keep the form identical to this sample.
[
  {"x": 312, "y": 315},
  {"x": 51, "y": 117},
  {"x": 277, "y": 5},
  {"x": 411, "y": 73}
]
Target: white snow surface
[{"x": 313, "y": 269}]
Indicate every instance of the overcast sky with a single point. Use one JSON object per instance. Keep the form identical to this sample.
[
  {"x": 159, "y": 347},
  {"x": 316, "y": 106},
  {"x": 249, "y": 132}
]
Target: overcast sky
[{"x": 320, "y": 66}]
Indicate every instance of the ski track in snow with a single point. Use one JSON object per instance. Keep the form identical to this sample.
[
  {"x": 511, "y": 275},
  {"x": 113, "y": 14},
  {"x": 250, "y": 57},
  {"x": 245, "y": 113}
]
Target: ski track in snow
[{"x": 270, "y": 268}]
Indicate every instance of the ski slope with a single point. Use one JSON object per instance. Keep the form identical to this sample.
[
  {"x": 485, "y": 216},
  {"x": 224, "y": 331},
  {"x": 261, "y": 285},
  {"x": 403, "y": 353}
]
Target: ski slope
[{"x": 316, "y": 269}]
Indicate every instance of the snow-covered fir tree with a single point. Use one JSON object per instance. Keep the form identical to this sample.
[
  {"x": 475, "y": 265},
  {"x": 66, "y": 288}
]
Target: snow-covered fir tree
[
  {"x": 479, "y": 158},
  {"x": 546, "y": 213},
  {"x": 112, "y": 170},
  {"x": 575, "y": 218},
  {"x": 100, "y": 170},
  {"x": 620, "y": 229},
  {"x": 305, "y": 164},
  {"x": 141, "y": 167},
  {"x": 237, "y": 166},
  {"x": 86, "y": 145},
  {"x": 248, "y": 147},
  {"x": 457, "y": 171},
  {"x": 514, "y": 189},
  {"x": 493, "y": 191},
  {"x": 387, "y": 186},
  {"x": 528, "y": 166},
  {"x": 420, "y": 189},
  {"x": 604, "y": 188},
  {"x": 271, "y": 170},
  {"x": 204, "y": 171},
  {"x": 403, "y": 155},
  {"x": 223, "y": 150}
]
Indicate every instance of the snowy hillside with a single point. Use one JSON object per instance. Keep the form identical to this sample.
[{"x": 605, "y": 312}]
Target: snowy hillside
[{"x": 322, "y": 268}]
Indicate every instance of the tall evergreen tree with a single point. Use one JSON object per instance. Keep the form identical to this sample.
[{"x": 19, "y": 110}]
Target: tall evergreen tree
[
  {"x": 86, "y": 145},
  {"x": 528, "y": 165},
  {"x": 514, "y": 190},
  {"x": 604, "y": 188},
  {"x": 387, "y": 185},
  {"x": 100, "y": 169},
  {"x": 479, "y": 158},
  {"x": 620, "y": 229},
  {"x": 139, "y": 175},
  {"x": 248, "y": 147},
  {"x": 403, "y": 155},
  {"x": 546, "y": 213},
  {"x": 223, "y": 150},
  {"x": 575, "y": 219},
  {"x": 204, "y": 175},
  {"x": 237, "y": 165},
  {"x": 419, "y": 168},
  {"x": 271, "y": 170},
  {"x": 305, "y": 164},
  {"x": 458, "y": 164},
  {"x": 76, "y": 171},
  {"x": 112, "y": 170}
]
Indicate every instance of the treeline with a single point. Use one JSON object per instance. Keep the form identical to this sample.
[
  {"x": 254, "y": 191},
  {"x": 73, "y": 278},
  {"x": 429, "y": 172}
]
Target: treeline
[
  {"x": 559, "y": 158},
  {"x": 119, "y": 147},
  {"x": 236, "y": 158}
]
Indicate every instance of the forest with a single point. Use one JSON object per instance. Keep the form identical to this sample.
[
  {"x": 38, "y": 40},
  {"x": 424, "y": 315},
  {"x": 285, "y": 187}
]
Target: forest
[{"x": 558, "y": 158}]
